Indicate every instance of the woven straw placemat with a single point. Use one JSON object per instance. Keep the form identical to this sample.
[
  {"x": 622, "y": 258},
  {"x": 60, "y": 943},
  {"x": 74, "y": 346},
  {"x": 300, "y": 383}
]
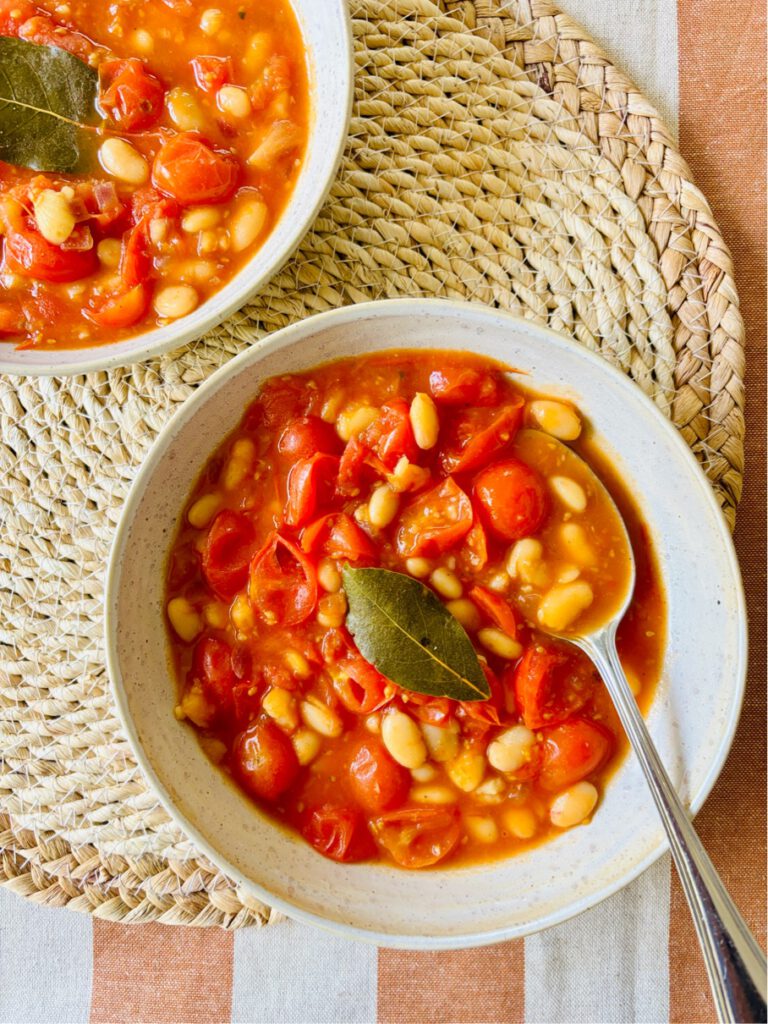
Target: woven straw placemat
[{"x": 494, "y": 155}]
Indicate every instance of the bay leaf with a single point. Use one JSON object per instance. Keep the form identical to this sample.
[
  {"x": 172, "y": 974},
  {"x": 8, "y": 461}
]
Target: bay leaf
[
  {"x": 401, "y": 627},
  {"x": 47, "y": 102}
]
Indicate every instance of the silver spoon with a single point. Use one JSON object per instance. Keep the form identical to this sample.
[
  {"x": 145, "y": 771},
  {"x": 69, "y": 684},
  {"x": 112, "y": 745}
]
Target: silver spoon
[{"x": 735, "y": 963}]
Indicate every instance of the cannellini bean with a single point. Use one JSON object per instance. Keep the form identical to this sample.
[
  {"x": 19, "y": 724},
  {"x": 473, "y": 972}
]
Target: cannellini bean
[
  {"x": 407, "y": 476},
  {"x": 211, "y": 21},
  {"x": 403, "y": 739},
  {"x": 195, "y": 707},
  {"x": 186, "y": 621},
  {"x": 259, "y": 49},
  {"x": 484, "y": 830},
  {"x": 239, "y": 464},
  {"x": 328, "y": 576},
  {"x": 203, "y": 510},
  {"x": 321, "y": 718},
  {"x": 353, "y": 420},
  {"x": 524, "y": 559},
  {"x": 424, "y": 421},
  {"x": 158, "y": 229},
  {"x": 433, "y": 795},
  {"x": 491, "y": 791},
  {"x": 418, "y": 567},
  {"x": 633, "y": 680},
  {"x": 573, "y": 805},
  {"x": 466, "y": 612},
  {"x": 568, "y": 573},
  {"x": 574, "y": 540},
  {"x": 373, "y": 724},
  {"x": 214, "y": 749},
  {"x": 123, "y": 161},
  {"x": 442, "y": 743},
  {"x": 109, "y": 251},
  {"x": 175, "y": 300},
  {"x": 425, "y": 773},
  {"x": 247, "y": 223},
  {"x": 332, "y": 610},
  {"x": 498, "y": 642},
  {"x": 511, "y": 749},
  {"x": 199, "y": 218},
  {"x": 332, "y": 405},
  {"x": 184, "y": 110},
  {"x": 54, "y": 216},
  {"x": 216, "y": 615},
  {"x": 555, "y": 418},
  {"x": 281, "y": 137},
  {"x": 569, "y": 492},
  {"x": 500, "y": 582},
  {"x": 520, "y": 821},
  {"x": 142, "y": 41},
  {"x": 233, "y": 100},
  {"x": 466, "y": 770},
  {"x": 446, "y": 583},
  {"x": 563, "y": 604},
  {"x": 241, "y": 614},
  {"x": 280, "y": 705},
  {"x": 306, "y": 745},
  {"x": 297, "y": 664},
  {"x": 383, "y": 506}
]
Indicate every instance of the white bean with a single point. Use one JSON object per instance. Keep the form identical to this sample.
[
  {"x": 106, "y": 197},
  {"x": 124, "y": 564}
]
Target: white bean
[
  {"x": 204, "y": 509},
  {"x": 484, "y": 830},
  {"x": 211, "y": 21},
  {"x": 424, "y": 421},
  {"x": 247, "y": 223},
  {"x": 563, "y": 604},
  {"x": 175, "y": 300},
  {"x": 556, "y": 419},
  {"x": 442, "y": 743},
  {"x": 467, "y": 770},
  {"x": 446, "y": 583},
  {"x": 574, "y": 540},
  {"x": 280, "y": 705},
  {"x": 383, "y": 506},
  {"x": 520, "y": 821},
  {"x": 184, "y": 110},
  {"x": 569, "y": 492},
  {"x": 498, "y": 642},
  {"x": 54, "y": 216},
  {"x": 123, "y": 161},
  {"x": 306, "y": 744},
  {"x": 403, "y": 739},
  {"x": 433, "y": 795},
  {"x": 524, "y": 559},
  {"x": 332, "y": 610},
  {"x": 233, "y": 100},
  {"x": 511, "y": 749},
  {"x": 186, "y": 621},
  {"x": 109, "y": 251},
  {"x": 321, "y": 718},
  {"x": 418, "y": 567},
  {"x": 328, "y": 576},
  {"x": 353, "y": 420},
  {"x": 573, "y": 805},
  {"x": 200, "y": 218},
  {"x": 465, "y": 611}
]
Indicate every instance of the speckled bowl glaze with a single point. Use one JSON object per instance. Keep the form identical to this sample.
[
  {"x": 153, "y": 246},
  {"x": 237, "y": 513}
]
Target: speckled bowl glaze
[
  {"x": 692, "y": 718},
  {"x": 327, "y": 34}
]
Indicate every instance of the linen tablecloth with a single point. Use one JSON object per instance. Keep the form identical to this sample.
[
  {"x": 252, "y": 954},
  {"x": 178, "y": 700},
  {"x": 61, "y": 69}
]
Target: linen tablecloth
[{"x": 634, "y": 957}]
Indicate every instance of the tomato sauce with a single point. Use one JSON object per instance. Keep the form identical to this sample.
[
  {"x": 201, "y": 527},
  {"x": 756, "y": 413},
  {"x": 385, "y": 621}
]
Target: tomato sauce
[
  {"x": 201, "y": 126},
  {"x": 455, "y": 477}
]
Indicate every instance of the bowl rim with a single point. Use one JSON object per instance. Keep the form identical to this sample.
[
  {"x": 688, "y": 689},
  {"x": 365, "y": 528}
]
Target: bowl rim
[
  {"x": 284, "y": 338},
  {"x": 181, "y": 333}
]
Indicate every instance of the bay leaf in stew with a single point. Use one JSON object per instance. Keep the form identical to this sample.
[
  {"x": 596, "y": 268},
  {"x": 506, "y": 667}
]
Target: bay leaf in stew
[{"x": 401, "y": 627}]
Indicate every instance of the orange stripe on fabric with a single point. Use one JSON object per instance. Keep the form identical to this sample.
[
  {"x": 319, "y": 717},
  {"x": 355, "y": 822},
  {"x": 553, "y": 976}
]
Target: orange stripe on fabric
[
  {"x": 158, "y": 974},
  {"x": 722, "y": 59},
  {"x": 460, "y": 987}
]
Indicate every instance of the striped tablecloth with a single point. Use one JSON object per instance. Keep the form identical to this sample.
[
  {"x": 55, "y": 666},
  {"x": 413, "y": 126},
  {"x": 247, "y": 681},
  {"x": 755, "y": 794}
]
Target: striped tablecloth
[{"x": 634, "y": 958}]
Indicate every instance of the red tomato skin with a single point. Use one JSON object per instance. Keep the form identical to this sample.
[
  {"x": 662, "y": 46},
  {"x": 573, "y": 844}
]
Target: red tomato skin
[
  {"x": 377, "y": 781},
  {"x": 264, "y": 760},
  {"x": 390, "y": 436},
  {"x": 418, "y": 837},
  {"x": 46, "y": 32},
  {"x": 277, "y": 595},
  {"x": 123, "y": 309},
  {"x": 28, "y": 254},
  {"x": 338, "y": 536},
  {"x": 130, "y": 95},
  {"x": 212, "y": 72},
  {"x": 190, "y": 171},
  {"x": 13, "y": 14},
  {"x": 306, "y": 436},
  {"x": 572, "y": 751},
  {"x": 474, "y": 436},
  {"x": 512, "y": 499},
  {"x": 497, "y": 608},
  {"x": 310, "y": 484},
  {"x": 551, "y": 683},
  {"x": 212, "y": 664},
  {"x": 229, "y": 548},
  {"x": 338, "y": 832},
  {"x": 462, "y": 385},
  {"x": 435, "y": 521}
]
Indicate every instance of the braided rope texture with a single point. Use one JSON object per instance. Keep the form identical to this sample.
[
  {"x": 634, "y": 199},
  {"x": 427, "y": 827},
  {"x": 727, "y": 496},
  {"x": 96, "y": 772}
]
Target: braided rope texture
[{"x": 496, "y": 156}]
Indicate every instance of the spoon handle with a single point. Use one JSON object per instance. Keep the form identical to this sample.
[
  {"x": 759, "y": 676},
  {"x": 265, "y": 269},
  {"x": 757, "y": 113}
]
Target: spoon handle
[{"x": 735, "y": 963}]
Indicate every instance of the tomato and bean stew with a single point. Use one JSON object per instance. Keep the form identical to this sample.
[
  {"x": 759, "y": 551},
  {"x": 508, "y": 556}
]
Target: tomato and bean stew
[
  {"x": 347, "y": 497},
  {"x": 186, "y": 160}
]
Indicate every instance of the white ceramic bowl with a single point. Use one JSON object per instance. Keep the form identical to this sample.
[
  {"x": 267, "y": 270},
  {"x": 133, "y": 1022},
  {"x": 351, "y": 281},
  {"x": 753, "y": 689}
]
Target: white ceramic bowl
[
  {"x": 692, "y": 718},
  {"x": 326, "y": 30}
]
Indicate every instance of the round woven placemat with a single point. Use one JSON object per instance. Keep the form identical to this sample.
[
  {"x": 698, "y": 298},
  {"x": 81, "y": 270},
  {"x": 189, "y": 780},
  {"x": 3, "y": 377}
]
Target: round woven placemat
[{"x": 494, "y": 155}]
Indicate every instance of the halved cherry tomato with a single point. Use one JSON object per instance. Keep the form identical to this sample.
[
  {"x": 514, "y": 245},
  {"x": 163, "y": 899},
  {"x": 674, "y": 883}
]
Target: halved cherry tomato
[
  {"x": 212, "y": 72},
  {"x": 11, "y": 319},
  {"x": 435, "y": 521},
  {"x": 360, "y": 687},
  {"x": 390, "y": 436},
  {"x": 46, "y": 32},
  {"x": 13, "y": 14},
  {"x": 338, "y": 536},
  {"x": 430, "y": 710},
  {"x": 486, "y": 712},
  {"x": 123, "y": 309},
  {"x": 281, "y": 399},
  {"x": 190, "y": 171},
  {"x": 264, "y": 760},
  {"x": 311, "y": 483},
  {"x": 307, "y": 435},
  {"x": 28, "y": 254},
  {"x": 512, "y": 498},
  {"x": 212, "y": 665},
  {"x": 463, "y": 385},
  {"x": 352, "y": 466},
  {"x": 474, "y": 551},
  {"x": 283, "y": 585},
  {"x": 338, "y": 833},
  {"x": 418, "y": 836},
  {"x": 229, "y": 548},
  {"x": 377, "y": 781},
  {"x": 496, "y": 607},
  {"x": 572, "y": 751},
  {"x": 550, "y": 683},
  {"x": 130, "y": 95},
  {"x": 477, "y": 434}
]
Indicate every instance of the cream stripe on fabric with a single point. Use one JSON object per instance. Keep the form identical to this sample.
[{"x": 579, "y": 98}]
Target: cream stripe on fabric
[
  {"x": 45, "y": 963},
  {"x": 641, "y": 38},
  {"x": 293, "y": 974},
  {"x": 609, "y": 964}
]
